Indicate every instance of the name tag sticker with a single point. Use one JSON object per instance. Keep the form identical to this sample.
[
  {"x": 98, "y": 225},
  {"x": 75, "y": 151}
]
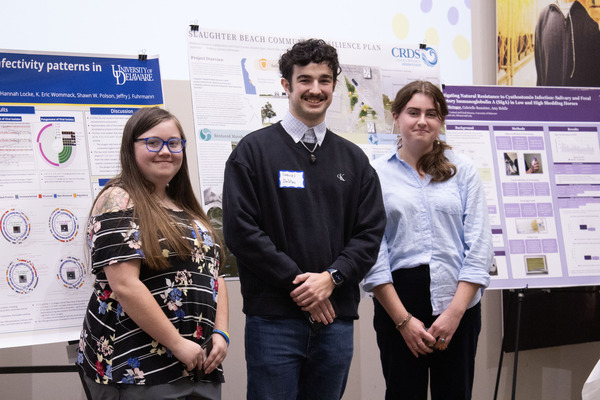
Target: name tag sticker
[{"x": 291, "y": 179}]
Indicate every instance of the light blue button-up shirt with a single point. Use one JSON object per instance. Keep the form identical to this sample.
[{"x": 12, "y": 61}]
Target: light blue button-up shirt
[{"x": 443, "y": 224}]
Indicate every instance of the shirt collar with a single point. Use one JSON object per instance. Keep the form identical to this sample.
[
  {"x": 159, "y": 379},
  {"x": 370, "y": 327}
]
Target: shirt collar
[
  {"x": 296, "y": 128},
  {"x": 394, "y": 154}
]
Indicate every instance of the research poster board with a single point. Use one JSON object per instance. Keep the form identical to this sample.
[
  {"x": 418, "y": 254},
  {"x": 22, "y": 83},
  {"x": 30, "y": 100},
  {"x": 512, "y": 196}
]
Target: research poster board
[
  {"x": 236, "y": 89},
  {"x": 61, "y": 121},
  {"x": 538, "y": 153}
]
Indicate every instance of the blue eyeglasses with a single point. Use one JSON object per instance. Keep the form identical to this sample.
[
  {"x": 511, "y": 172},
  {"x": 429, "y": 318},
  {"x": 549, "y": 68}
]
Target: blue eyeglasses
[{"x": 155, "y": 144}]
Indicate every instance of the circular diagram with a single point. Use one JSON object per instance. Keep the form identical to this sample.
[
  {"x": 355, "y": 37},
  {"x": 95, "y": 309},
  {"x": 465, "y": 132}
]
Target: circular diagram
[
  {"x": 63, "y": 225},
  {"x": 21, "y": 276},
  {"x": 56, "y": 147},
  {"x": 15, "y": 226},
  {"x": 71, "y": 272}
]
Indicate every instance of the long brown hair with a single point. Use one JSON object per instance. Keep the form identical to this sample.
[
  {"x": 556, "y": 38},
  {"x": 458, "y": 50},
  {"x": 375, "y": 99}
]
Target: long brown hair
[
  {"x": 434, "y": 162},
  {"x": 154, "y": 220}
]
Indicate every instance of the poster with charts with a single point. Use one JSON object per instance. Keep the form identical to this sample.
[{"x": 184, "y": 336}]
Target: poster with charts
[
  {"x": 61, "y": 119},
  {"x": 538, "y": 153}
]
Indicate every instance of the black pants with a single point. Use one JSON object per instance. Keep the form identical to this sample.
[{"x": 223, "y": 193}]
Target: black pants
[{"x": 407, "y": 377}]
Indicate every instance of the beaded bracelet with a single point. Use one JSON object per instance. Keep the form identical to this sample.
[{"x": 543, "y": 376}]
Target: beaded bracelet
[
  {"x": 222, "y": 333},
  {"x": 403, "y": 323}
]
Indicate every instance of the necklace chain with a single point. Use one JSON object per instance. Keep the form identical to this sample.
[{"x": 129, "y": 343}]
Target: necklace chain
[
  {"x": 309, "y": 150},
  {"x": 313, "y": 158}
]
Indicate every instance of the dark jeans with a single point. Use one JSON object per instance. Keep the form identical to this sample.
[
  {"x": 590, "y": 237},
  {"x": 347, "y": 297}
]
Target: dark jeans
[
  {"x": 451, "y": 371},
  {"x": 286, "y": 360}
]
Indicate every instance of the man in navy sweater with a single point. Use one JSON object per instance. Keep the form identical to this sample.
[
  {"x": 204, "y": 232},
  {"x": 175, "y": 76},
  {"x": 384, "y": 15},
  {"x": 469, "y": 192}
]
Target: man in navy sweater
[{"x": 303, "y": 214}]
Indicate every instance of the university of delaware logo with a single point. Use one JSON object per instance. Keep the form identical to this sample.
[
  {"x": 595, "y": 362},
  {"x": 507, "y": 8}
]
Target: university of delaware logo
[
  {"x": 132, "y": 74},
  {"x": 427, "y": 55}
]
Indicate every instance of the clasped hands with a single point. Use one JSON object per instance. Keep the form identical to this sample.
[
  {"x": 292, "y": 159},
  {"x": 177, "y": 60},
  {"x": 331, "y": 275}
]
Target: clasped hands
[
  {"x": 422, "y": 341},
  {"x": 194, "y": 356},
  {"x": 312, "y": 295}
]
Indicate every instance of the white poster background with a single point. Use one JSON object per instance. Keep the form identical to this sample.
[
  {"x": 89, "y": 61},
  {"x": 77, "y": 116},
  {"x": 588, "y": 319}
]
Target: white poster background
[
  {"x": 45, "y": 198},
  {"x": 54, "y": 159},
  {"x": 545, "y": 221},
  {"x": 236, "y": 89}
]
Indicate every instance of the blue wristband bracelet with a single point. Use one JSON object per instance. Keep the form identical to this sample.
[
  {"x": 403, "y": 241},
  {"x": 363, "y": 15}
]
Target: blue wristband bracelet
[{"x": 222, "y": 333}]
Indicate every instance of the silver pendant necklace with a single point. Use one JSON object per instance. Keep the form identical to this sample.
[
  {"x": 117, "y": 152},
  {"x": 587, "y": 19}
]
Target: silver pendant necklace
[{"x": 313, "y": 158}]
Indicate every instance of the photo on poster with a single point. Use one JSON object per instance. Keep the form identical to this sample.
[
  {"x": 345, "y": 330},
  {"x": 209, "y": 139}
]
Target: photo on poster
[
  {"x": 358, "y": 106},
  {"x": 494, "y": 267},
  {"x": 533, "y": 163},
  {"x": 536, "y": 265},
  {"x": 548, "y": 43},
  {"x": 530, "y": 225},
  {"x": 511, "y": 163}
]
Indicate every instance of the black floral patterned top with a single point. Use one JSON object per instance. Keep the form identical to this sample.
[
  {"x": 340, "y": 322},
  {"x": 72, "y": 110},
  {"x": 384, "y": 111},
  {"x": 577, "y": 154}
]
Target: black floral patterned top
[{"x": 112, "y": 348}]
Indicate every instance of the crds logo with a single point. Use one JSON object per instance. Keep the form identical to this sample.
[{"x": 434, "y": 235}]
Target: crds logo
[{"x": 428, "y": 55}]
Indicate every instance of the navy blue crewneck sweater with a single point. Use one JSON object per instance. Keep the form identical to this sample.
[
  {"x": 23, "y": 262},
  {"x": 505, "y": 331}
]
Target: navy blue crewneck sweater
[{"x": 332, "y": 216}]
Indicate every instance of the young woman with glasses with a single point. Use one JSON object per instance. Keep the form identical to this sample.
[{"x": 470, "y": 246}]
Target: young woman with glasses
[{"x": 156, "y": 324}]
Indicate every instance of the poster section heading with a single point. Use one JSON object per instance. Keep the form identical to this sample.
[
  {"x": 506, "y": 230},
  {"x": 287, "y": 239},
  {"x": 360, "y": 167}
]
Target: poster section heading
[
  {"x": 538, "y": 154},
  {"x": 496, "y": 103},
  {"x": 8, "y": 113},
  {"x": 48, "y": 78}
]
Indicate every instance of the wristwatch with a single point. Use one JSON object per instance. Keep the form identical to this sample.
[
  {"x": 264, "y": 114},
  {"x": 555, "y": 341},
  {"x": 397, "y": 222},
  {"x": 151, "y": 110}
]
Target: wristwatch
[{"x": 336, "y": 276}]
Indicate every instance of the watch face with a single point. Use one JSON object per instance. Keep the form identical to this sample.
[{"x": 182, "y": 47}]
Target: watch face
[{"x": 337, "y": 277}]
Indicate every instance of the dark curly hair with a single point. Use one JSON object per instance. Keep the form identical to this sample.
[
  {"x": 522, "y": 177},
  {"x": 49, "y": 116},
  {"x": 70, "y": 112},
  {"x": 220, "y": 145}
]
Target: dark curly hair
[{"x": 307, "y": 51}]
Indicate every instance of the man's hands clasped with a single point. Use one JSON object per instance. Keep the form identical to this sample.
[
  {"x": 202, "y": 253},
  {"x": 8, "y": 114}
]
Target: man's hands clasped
[{"x": 312, "y": 295}]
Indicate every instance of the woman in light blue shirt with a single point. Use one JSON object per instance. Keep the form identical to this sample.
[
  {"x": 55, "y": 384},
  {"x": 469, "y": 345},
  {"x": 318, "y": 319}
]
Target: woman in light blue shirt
[{"x": 434, "y": 257}]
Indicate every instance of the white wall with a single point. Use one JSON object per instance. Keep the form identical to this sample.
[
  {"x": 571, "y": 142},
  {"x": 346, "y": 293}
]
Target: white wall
[
  {"x": 125, "y": 27},
  {"x": 556, "y": 373}
]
